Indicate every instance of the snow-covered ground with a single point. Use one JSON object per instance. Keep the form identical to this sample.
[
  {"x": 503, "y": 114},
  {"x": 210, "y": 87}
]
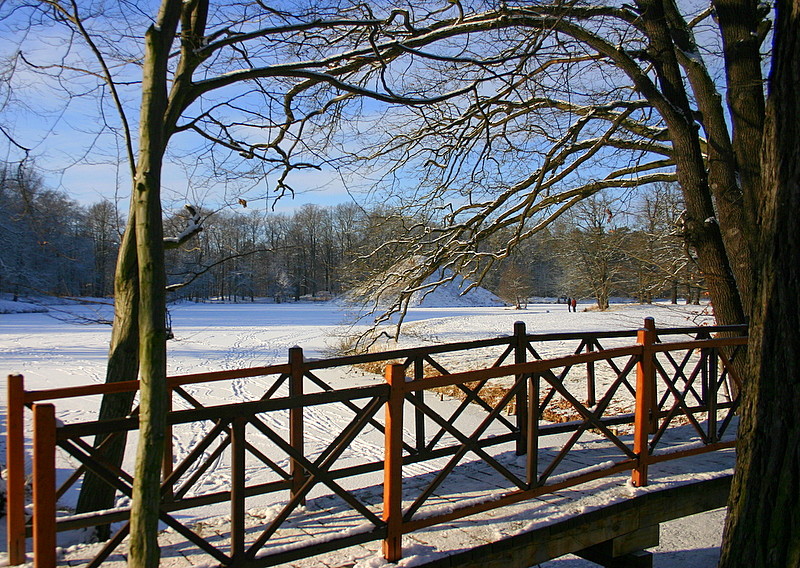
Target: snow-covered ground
[{"x": 66, "y": 346}]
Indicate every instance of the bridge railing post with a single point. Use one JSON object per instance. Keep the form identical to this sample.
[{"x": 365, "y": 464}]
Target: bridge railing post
[
  {"x": 645, "y": 418},
  {"x": 169, "y": 451},
  {"x": 44, "y": 485},
  {"x": 296, "y": 470},
  {"x": 15, "y": 464},
  {"x": 532, "y": 432},
  {"x": 591, "y": 381},
  {"x": 521, "y": 399},
  {"x": 419, "y": 415},
  {"x": 238, "y": 445},
  {"x": 713, "y": 391},
  {"x": 393, "y": 465}
]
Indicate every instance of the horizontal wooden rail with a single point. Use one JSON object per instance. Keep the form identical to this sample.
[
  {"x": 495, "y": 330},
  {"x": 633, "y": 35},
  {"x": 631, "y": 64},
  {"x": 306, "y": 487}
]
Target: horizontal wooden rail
[
  {"x": 538, "y": 366},
  {"x": 411, "y": 353},
  {"x": 213, "y": 376},
  {"x": 700, "y": 344},
  {"x": 76, "y": 392},
  {"x": 132, "y": 386}
]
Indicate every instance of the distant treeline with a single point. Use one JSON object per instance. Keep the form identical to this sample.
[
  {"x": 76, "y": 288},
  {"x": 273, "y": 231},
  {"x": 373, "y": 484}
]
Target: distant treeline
[{"x": 50, "y": 244}]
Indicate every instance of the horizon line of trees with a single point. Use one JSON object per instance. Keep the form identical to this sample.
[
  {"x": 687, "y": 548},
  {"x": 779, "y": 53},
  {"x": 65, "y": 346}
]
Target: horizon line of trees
[{"x": 605, "y": 247}]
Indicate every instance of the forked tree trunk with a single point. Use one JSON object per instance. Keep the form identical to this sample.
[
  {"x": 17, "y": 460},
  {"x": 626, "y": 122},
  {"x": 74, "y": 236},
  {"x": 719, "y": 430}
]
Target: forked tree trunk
[
  {"x": 763, "y": 523},
  {"x": 139, "y": 337},
  {"x": 741, "y": 23}
]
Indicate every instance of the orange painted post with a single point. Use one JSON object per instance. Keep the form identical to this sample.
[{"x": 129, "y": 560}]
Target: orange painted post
[
  {"x": 393, "y": 465},
  {"x": 44, "y": 485},
  {"x": 645, "y": 398},
  {"x": 15, "y": 464},
  {"x": 296, "y": 418}
]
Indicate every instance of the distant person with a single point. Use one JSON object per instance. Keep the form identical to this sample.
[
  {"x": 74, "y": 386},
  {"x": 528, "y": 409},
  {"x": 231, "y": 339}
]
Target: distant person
[
  {"x": 574, "y": 305},
  {"x": 569, "y": 304}
]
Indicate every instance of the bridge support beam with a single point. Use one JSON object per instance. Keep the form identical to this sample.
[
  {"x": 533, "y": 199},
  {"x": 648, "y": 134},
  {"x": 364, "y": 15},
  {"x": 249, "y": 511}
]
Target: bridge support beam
[{"x": 624, "y": 551}]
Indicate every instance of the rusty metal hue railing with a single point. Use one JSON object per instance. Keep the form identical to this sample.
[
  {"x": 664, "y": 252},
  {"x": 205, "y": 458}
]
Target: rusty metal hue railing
[{"x": 665, "y": 388}]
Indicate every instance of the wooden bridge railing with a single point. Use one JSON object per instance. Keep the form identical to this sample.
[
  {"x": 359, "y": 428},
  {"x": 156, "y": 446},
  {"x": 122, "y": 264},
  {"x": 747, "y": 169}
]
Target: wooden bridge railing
[{"x": 655, "y": 384}]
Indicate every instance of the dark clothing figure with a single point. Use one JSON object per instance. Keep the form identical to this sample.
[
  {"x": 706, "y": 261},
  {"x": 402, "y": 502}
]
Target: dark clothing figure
[{"x": 569, "y": 304}]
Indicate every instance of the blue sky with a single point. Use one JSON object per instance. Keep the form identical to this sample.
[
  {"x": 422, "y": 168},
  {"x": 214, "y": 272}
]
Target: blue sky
[{"x": 67, "y": 123}]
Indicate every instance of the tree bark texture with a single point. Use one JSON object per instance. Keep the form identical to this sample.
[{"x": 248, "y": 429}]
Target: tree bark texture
[
  {"x": 742, "y": 24},
  {"x": 763, "y": 523},
  {"x": 160, "y": 111},
  {"x": 732, "y": 160},
  {"x": 153, "y": 136},
  {"x": 702, "y": 229}
]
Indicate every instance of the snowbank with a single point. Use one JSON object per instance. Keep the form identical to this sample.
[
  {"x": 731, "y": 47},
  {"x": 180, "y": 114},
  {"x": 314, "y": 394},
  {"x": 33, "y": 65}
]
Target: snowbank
[{"x": 453, "y": 294}]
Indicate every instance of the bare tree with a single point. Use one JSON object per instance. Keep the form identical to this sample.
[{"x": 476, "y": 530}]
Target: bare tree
[
  {"x": 596, "y": 250},
  {"x": 186, "y": 63},
  {"x": 45, "y": 246},
  {"x": 515, "y": 287},
  {"x": 105, "y": 230},
  {"x": 657, "y": 250},
  {"x": 563, "y": 101}
]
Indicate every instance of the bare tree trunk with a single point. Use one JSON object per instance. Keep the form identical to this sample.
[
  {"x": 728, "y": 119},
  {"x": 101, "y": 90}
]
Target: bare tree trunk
[
  {"x": 123, "y": 365},
  {"x": 144, "y": 549},
  {"x": 726, "y": 158},
  {"x": 702, "y": 228},
  {"x": 763, "y": 524},
  {"x": 741, "y": 23},
  {"x": 153, "y": 136},
  {"x": 138, "y": 346}
]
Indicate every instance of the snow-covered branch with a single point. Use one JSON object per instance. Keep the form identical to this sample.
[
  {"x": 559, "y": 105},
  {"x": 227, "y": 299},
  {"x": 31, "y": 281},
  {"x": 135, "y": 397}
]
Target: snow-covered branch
[{"x": 193, "y": 226}]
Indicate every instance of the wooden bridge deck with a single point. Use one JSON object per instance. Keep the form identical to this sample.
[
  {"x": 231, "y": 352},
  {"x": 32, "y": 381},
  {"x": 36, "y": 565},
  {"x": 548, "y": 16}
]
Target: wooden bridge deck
[{"x": 517, "y": 536}]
